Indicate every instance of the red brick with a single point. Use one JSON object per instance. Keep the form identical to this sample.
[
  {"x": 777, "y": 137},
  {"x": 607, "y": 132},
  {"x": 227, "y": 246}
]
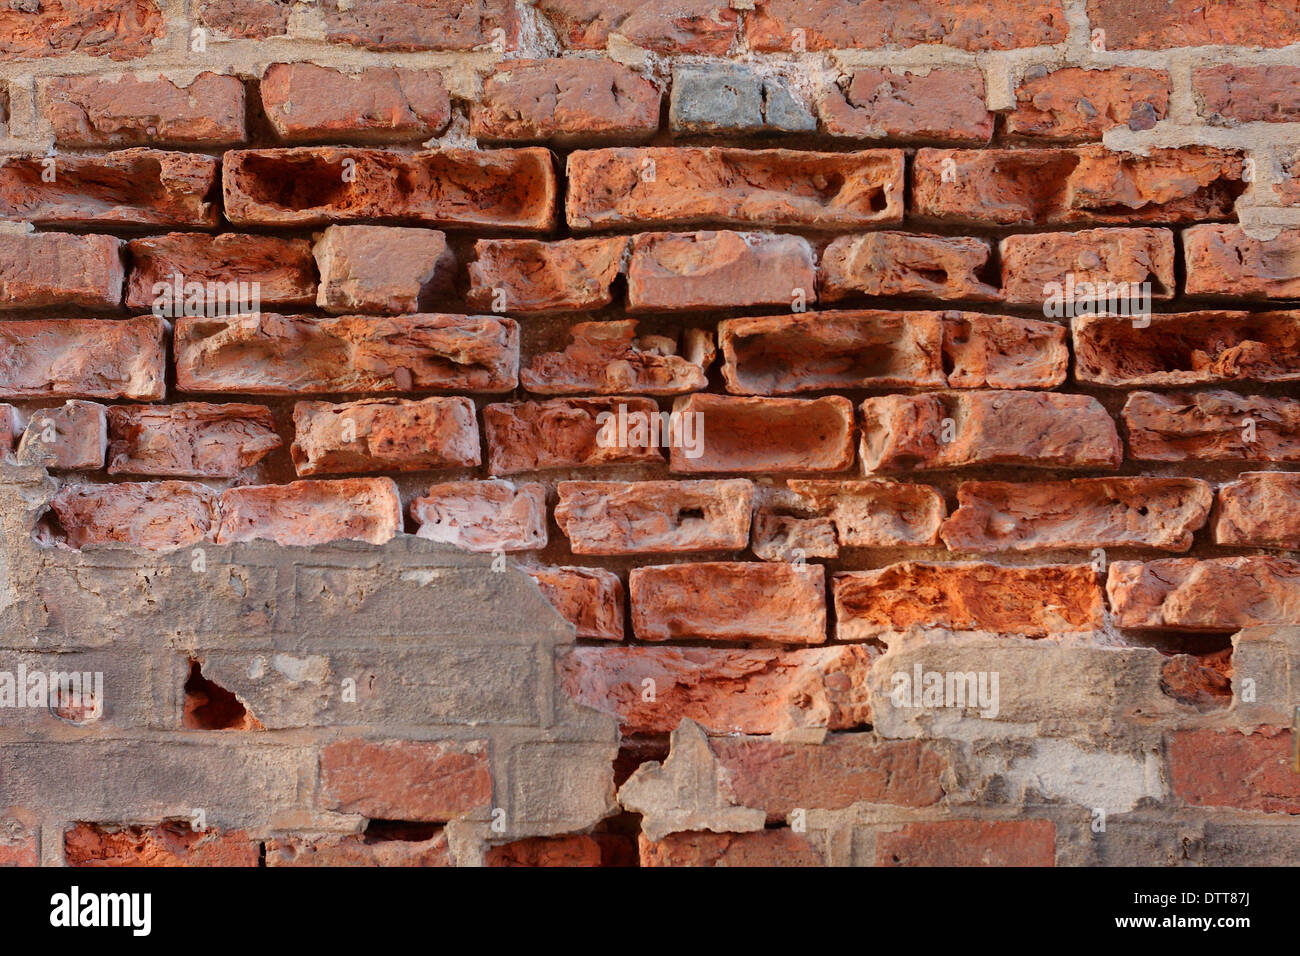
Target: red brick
[
  {"x": 118, "y": 29},
  {"x": 384, "y": 434},
  {"x": 20, "y": 835},
  {"x": 963, "y": 24},
  {"x": 1248, "y": 94},
  {"x": 130, "y": 187},
  {"x": 69, "y": 437},
  {"x": 408, "y": 25},
  {"x": 282, "y": 269},
  {"x": 565, "y": 102},
  {"x": 154, "y": 515},
  {"x": 1079, "y": 104},
  {"x": 491, "y": 515},
  {"x": 1211, "y": 426},
  {"x": 763, "y": 435},
  {"x": 357, "y": 849},
  {"x": 306, "y": 186},
  {"x": 422, "y": 780},
  {"x": 10, "y": 428},
  {"x": 83, "y": 358},
  {"x": 1044, "y": 430},
  {"x": 245, "y": 19},
  {"x": 171, "y": 843},
  {"x": 969, "y": 843},
  {"x": 382, "y": 269},
  {"x": 691, "y": 26},
  {"x": 308, "y": 103},
  {"x": 305, "y": 513},
  {"x": 1091, "y": 266},
  {"x": 1226, "y": 768},
  {"x": 655, "y": 517},
  {"x": 1223, "y": 261},
  {"x": 846, "y": 769},
  {"x": 851, "y": 514},
  {"x": 1084, "y": 513},
  {"x": 43, "y": 269},
  {"x": 717, "y": 270},
  {"x": 934, "y": 104},
  {"x": 729, "y": 601},
  {"x": 143, "y": 110},
  {"x": 725, "y": 691},
  {"x": 533, "y": 276},
  {"x": 591, "y": 599},
  {"x": 1212, "y": 595},
  {"x": 1136, "y": 25},
  {"x": 704, "y": 185},
  {"x": 1028, "y": 187},
  {"x": 1003, "y": 351},
  {"x": 1025, "y": 601},
  {"x": 566, "y": 433},
  {"x": 271, "y": 354},
  {"x": 1261, "y": 509},
  {"x": 608, "y": 358},
  {"x": 1193, "y": 348},
  {"x": 189, "y": 439},
  {"x": 763, "y": 848},
  {"x": 896, "y": 263},
  {"x": 576, "y": 849}
]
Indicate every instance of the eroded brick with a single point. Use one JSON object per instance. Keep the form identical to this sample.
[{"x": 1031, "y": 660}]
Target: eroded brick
[
  {"x": 1261, "y": 509},
  {"x": 526, "y": 275},
  {"x": 1075, "y": 104},
  {"x": 154, "y": 515},
  {"x": 762, "y": 848},
  {"x": 229, "y": 268},
  {"x": 306, "y": 513},
  {"x": 1213, "y": 595},
  {"x": 763, "y": 435},
  {"x": 422, "y": 780},
  {"x": 1053, "y": 269},
  {"x": 591, "y": 599},
  {"x": 934, "y": 104},
  {"x": 1211, "y": 426},
  {"x": 609, "y": 358},
  {"x": 385, "y": 269},
  {"x": 83, "y": 358},
  {"x": 144, "y": 110},
  {"x": 69, "y": 437},
  {"x": 308, "y": 103},
  {"x": 570, "y": 433},
  {"x": 1141, "y": 26},
  {"x": 896, "y": 263},
  {"x": 648, "y": 517},
  {"x": 1248, "y": 94},
  {"x": 410, "y": 25},
  {"x": 1226, "y": 768},
  {"x": 358, "y": 849},
  {"x": 491, "y": 515},
  {"x": 43, "y": 269},
  {"x": 969, "y": 843},
  {"x": 189, "y": 439},
  {"x": 692, "y": 26},
  {"x": 96, "y": 27},
  {"x": 172, "y": 843},
  {"x": 1223, "y": 261},
  {"x": 378, "y": 434},
  {"x": 716, "y": 270}
]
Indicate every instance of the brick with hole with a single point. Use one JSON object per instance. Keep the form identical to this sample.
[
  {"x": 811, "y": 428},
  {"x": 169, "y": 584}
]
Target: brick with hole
[
  {"x": 573, "y": 433},
  {"x": 1210, "y": 595},
  {"x": 69, "y": 437},
  {"x": 968, "y": 843},
  {"x": 591, "y": 599},
  {"x": 196, "y": 273},
  {"x": 419, "y": 780},
  {"x": 529, "y": 275},
  {"x": 11, "y": 428},
  {"x": 721, "y": 433},
  {"x": 307, "y": 103},
  {"x": 671, "y": 272},
  {"x": 1102, "y": 268},
  {"x": 43, "y": 269},
  {"x": 609, "y": 358},
  {"x": 170, "y": 843},
  {"x": 1210, "y": 767},
  {"x": 901, "y": 264},
  {"x": 932, "y": 104},
  {"x": 777, "y": 536},
  {"x": 404, "y": 26},
  {"x": 655, "y": 517},
  {"x": 382, "y": 269},
  {"x": 1216, "y": 425},
  {"x": 1223, "y": 261},
  {"x": 693, "y": 26},
  {"x": 1260, "y": 509},
  {"x": 151, "y": 515},
  {"x": 729, "y": 601},
  {"x": 1079, "y": 104},
  {"x": 483, "y": 516},
  {"x": 384, "y": 434},
  {"x": 358, "y": 849},
  {"x": 305, "y": 513},
  {"x": 90, "y": 27},
  {"x": 852, "y": 514},
  {"x": 762, "y": 848},
  {"x": 189, "y": 439},
  {"x": 83, "y": 358}
]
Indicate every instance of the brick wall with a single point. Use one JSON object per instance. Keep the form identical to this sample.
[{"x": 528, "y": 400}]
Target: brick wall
[{"x": 895, "y": 400}]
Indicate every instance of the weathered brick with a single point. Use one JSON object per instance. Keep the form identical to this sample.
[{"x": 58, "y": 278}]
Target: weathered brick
[
  {"x": 1215, "y": 594},
  {"x": 1003, "y": 351},
  {"x": 1026, "y": 601},
  {"x": 1248, "y": 94},
  {"x": 725, "y": 691},
  {"x": 608, "y": 358},
  {"x": 1211, "y": 426},
  {"x": 173, "y": 843},
  {"x": 1085, "y": 513},
  {"x": 830, "y": 514},
  {"x": 1222, "y": 260},
  {"x": 390, "y": 269},
  {"x": 655, "y": 517},
  {"x": 717, "y": 270},
  {"x": 305, "y": 513},
  {"x": 492, "y": 515},
  {"x": 10, "y": 428},
  {"x": 20, "y": 835},
  {"x": 43, "y": 269},
  {"x": 1094, "y": 266},
  {"x": 130, "y": 110},
  {"x": 83, "y": 358},
  {"x": 1261, "y": 509},
  {"x": 129, "y": 187},
  {"x": 729, "y": 601},
  {"x": 1226, "y": 768},
  {"x": 245, "y": 19},
  {"x": 229, "y": 269},
  {"x": 271, "y": 354},
  {"x": 705, "y": 185},
  {"x": 118, "y": 29},
  {"x": 526, "y": 275},
  {"x": 591, "y": 599},
  {"x": 896, "y": 263},
  {"x": 421, "y": 780},
  {"x": 932, "y": 104},
  {"x": 317, "y": 185},
  {"x": 1044, "y": 430},
  {"x": 847, "y": 24},
  {"x": 734, "y": 99},
  {"x": 969, "y": 843},
  {"x": 787, "y": 537},
  {"x": 308, "y": 103},
  {"x": 1077, "y": 104},
  {"x": 384, "y": 434},
  {"x": 577, "y": 849},
  {"x": 1028, "y": 187},
  {"x": 1193, "y": 348},
  {"x": 764, "y": 435},
  {"x": 692, "y": 26},
  {"x": 189, "y": 439},
  {"x": 565, "y": 102},
  {"x": 154, "y": 515},
  {"x": 568, "y": 433},
  {"x": 358, "y": 849},
  {"x": 1130, "y": 25},
  {"x": 762, "y": 848},
  {"x": 69, "y": 437},
  {"x": 410, "y": 25}
]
